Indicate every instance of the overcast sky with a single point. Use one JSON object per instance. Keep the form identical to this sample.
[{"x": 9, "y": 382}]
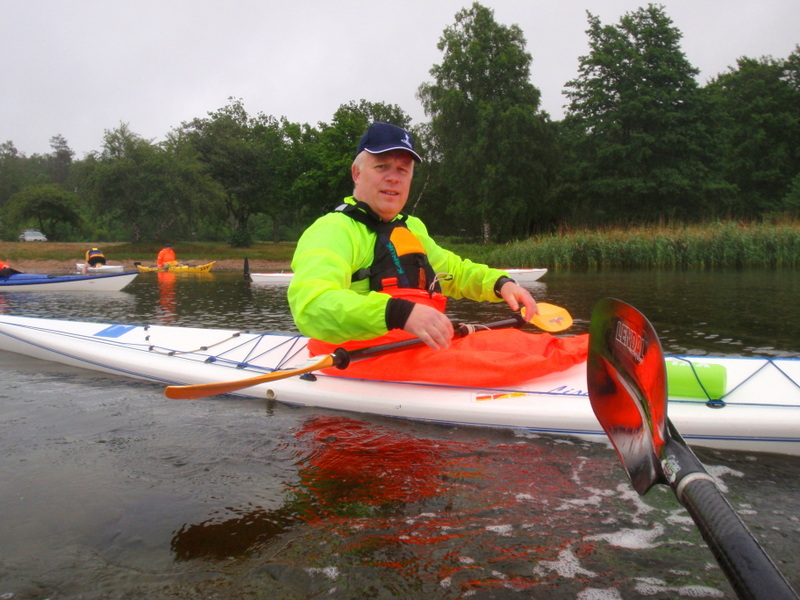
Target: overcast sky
[{"x": 80, "y": 67}]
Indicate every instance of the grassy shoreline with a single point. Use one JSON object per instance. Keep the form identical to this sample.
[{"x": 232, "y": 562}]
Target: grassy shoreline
[
  {"x": 57, "y": 257},
  {"x": 714, "y": 245}
]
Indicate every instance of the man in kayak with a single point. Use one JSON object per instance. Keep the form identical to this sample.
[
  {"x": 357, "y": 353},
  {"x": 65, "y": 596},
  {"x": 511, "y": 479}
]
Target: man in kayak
[
  {"x": 166, "y": 257},
  {"x": 367, "y": 274},
  {"x": 350, "y": 284}
]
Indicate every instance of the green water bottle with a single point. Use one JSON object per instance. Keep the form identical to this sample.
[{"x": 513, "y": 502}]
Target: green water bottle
[{"x": 685, "y": 379}]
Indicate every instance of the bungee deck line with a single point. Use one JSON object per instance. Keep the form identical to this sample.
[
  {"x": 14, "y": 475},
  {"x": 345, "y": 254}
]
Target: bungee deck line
[{"x": 99, "y": 338}]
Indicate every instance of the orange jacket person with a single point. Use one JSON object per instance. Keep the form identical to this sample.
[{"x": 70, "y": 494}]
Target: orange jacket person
[
  {"x": 166, "y": 257},
  {"x": 6, "y": 270}
]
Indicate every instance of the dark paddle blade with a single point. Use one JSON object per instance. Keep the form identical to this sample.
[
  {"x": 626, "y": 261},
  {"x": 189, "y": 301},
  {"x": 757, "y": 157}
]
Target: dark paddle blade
[
  {"x": 627, "y": 388},
  {"x": 628, "y": 391}
]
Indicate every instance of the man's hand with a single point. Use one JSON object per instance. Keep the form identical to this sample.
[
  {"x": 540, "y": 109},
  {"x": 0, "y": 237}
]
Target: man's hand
[
  {"x": 431, "y": 326},
  {"x": 515, "y": 296}
]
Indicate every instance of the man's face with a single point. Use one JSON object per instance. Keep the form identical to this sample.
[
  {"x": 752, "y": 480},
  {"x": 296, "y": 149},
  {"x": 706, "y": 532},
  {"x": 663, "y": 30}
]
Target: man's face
[{"x": 383, "y": 181}]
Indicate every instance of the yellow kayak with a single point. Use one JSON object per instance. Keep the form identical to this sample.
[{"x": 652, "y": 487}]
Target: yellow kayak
[{"x": 177, "y": 268}]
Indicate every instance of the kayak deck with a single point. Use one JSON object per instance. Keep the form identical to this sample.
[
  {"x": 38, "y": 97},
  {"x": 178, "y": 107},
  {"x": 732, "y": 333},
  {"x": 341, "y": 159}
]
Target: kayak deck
[{"x": 759, "y": 409}]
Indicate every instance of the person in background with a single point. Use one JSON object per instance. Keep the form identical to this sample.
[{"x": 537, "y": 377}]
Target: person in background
[
  {"x": 92, "y": 258},
  {"x": 166, "y": 257},
  {"x": 6, "y": 270}
]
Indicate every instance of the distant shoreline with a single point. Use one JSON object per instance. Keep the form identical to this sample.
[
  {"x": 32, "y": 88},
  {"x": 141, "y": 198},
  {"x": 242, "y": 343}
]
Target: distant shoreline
[{"x": 68, "y": 266}]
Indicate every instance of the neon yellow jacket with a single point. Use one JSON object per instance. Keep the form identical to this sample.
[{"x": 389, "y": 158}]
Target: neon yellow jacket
[{"x": 326, "y": 305}]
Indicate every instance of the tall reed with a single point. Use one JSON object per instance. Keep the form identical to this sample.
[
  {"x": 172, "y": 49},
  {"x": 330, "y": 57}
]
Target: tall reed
[{"x": 728, "y": 244}]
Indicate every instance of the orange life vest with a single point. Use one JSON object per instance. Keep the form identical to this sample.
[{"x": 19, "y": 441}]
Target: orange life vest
[{"x": 482, "y": 359}]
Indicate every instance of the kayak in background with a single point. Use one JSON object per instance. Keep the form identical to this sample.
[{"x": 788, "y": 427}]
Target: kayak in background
[
  {"x": 180, "y": 268},
  {"x": 33, "y": 282},
  {"x": 271, "y": 277},
  {"x": 100, "y": 268},
  {"x": 523, "y": 276}
]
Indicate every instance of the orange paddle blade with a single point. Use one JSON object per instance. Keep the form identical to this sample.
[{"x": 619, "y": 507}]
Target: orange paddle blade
[
  {"x": 202, "y": 390},
  {"x": 552, "y": 318}
]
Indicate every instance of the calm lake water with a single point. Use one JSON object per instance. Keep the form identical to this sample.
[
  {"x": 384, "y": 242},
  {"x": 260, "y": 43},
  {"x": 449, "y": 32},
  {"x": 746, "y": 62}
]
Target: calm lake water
[{"x": 110, "y": 490}]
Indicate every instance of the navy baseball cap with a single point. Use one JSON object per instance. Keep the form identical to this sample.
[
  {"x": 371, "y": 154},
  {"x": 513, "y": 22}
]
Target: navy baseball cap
[{"x": 382, "y": 137}]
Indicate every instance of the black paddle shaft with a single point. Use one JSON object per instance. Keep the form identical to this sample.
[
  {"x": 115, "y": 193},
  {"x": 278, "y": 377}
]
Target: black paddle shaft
[
  {"x": 750, "y": 571},
  {"x": 342, "y": 357},
  {"x": 628, "y": 391}
]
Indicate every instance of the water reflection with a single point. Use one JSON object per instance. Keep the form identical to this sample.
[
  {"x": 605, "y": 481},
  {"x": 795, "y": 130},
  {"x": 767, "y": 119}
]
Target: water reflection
[
  {"x": 155, "y": 497},
  {"x": 167, "y": 299},
  {"x": 420, "y": 513},
  {"x": 417, "y": 511},
  {"x": 347, "y": 469}
]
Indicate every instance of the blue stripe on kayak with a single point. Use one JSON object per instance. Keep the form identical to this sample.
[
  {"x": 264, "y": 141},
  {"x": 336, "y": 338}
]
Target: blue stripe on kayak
[{"x": 114, "y": 331}]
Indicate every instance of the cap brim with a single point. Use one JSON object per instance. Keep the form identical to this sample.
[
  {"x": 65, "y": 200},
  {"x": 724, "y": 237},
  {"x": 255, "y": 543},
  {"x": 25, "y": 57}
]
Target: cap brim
[{"x": 381, "y": 150}]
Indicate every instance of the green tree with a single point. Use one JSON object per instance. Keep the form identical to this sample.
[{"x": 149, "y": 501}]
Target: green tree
[
  {"x": 18, "y": 171},
  {"x": 791, "y": 202},
  {"x": 635, "y": 130},
  {"x": 48, "y": 206},
  {"x": 304, "y": 191},
  {"x": 60, "y": 159},
  {"x": 248, "y": 157},
  {"x": 493, "y": 142},
  {"x": 760, "y": 133},
  {"x": 11, "y": 181},
  {"x": 280, "y": 168},
  {"x": 326, "y": 180},
  {"x": 154, "y": 193}
]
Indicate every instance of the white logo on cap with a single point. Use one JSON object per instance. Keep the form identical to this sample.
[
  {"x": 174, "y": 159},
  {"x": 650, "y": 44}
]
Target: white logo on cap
[{"x": 406, "y": 140}]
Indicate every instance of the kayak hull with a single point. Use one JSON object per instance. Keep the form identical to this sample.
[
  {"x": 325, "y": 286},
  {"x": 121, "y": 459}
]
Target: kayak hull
[
  {"x": 760, "y": 411},
  {"x": 31, "y": 282}
]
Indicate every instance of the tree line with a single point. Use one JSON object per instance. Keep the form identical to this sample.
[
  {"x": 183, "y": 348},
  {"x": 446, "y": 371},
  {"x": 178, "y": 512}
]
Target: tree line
[{"x": 641, "y": 142}]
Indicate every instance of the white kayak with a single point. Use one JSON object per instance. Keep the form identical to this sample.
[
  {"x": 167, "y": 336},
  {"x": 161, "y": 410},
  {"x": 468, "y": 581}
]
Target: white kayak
[
  {"x": 271, "y": 277},
  {"x": 759, "y": 407},
  {"x": 34, "y": 282},
  {"x": 522, "y": 276},
  {"x": 100, "y": 268}
]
